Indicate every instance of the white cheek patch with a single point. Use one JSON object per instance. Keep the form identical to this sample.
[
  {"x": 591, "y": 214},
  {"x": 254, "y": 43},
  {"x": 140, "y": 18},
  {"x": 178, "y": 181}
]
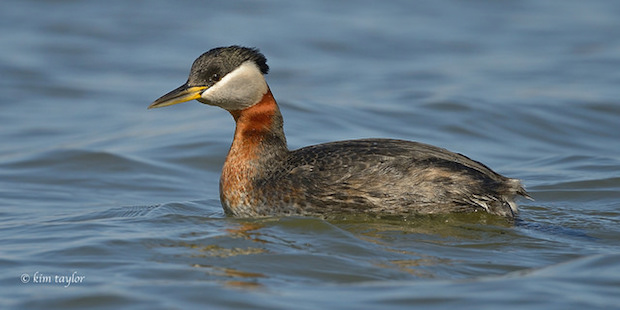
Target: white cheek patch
[{"x": 239, "y": 89}]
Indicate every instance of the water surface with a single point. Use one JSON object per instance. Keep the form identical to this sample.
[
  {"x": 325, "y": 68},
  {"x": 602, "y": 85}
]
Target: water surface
[{"x": 123, "y": 202}]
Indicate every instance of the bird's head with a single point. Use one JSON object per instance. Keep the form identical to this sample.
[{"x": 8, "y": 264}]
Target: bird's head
[{"x": 228, "y": 77}]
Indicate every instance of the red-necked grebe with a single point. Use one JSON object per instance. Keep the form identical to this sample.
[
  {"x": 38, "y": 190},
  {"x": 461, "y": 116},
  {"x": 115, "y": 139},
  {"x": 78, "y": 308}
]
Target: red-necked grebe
[{"x": 262, "y": 177}]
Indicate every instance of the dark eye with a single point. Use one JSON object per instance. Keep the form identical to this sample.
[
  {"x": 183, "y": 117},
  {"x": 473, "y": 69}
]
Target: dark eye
[{"x": 215, "y": 77}]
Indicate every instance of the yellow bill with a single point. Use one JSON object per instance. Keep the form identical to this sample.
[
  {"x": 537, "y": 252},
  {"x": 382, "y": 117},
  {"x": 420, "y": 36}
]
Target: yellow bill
[{"x": 181, "y": 94}]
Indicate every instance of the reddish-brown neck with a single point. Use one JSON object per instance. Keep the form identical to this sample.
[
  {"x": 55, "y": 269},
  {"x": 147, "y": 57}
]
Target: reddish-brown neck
[
  {"x": 258, "y": 126},
  {"x": 259, "y": 143}
]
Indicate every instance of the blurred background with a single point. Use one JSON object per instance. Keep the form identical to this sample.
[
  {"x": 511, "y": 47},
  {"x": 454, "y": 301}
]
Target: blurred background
[{"x": 91, "y": 181}]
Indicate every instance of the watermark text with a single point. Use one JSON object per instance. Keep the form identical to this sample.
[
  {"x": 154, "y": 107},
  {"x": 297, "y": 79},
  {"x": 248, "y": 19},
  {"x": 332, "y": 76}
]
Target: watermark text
[{"x": 47, "y": 278}]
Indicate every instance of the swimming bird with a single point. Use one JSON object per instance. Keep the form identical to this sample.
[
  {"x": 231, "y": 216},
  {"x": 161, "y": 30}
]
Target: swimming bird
[{"x": 262, "y": 177}]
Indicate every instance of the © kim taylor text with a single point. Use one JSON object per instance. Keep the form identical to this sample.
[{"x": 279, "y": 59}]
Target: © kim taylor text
[{"x": 42, "y": 278}]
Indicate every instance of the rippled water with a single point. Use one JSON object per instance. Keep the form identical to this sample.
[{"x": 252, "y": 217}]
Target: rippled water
[{"x": 105, "y": 204}]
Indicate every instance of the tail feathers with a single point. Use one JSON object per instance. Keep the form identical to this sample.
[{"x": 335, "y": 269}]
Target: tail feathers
[
  {"x": 502, "y": 203},
  {"x": 519, "y": 189}
]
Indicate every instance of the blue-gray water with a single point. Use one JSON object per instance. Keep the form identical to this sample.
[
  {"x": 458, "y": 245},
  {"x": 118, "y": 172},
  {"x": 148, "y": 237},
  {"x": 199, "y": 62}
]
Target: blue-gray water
[{"x": 124, "y": 200}]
